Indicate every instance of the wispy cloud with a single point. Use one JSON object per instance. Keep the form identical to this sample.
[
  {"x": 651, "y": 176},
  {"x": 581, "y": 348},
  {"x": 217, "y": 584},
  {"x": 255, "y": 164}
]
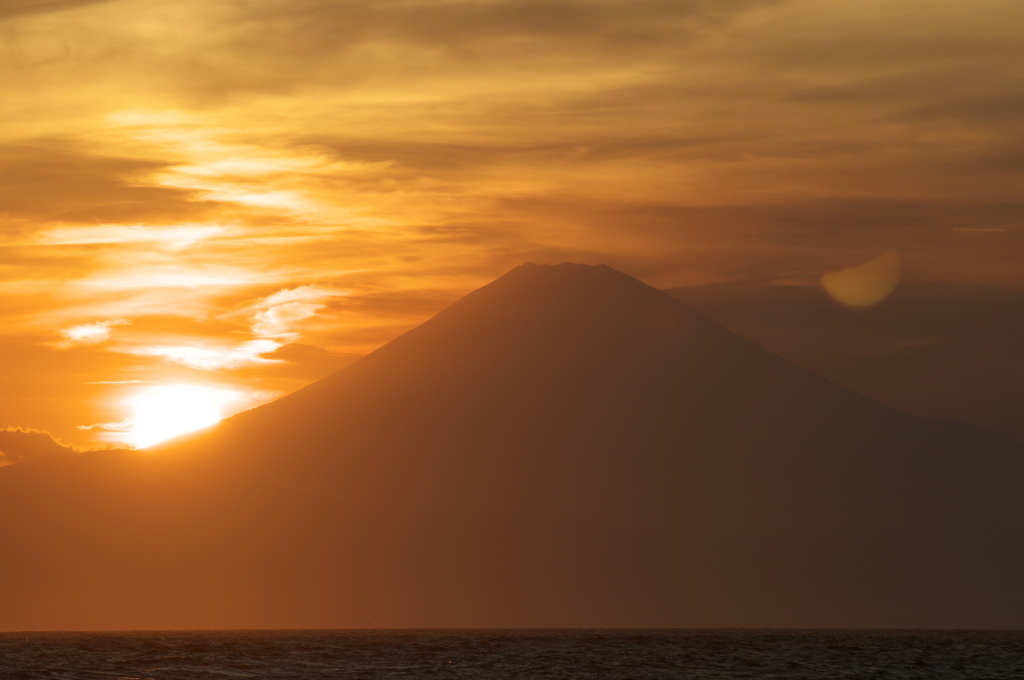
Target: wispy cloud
[
  {"x": 116, "y": 382},
  {"x": 211, "y": 357},
  {"x": 273, "y": 320},
  {"x": 10, "y": 8},
  {"x": 176, "y": 238},
  {"x": 89, "y": 333},
  {"x": 276, "y": 315},
  {"x": 119, "y": 427}
]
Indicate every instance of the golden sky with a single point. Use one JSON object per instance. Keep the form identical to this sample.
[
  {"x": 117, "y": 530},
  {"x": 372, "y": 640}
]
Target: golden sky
[{"x": 246, "y": 195}]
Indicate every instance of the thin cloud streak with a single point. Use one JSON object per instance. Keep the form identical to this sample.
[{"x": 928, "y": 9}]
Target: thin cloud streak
[
  {"x": 90, "y": 333},
  {"x": 12, "y": 8},
  {"x": 211, "y": 358}
]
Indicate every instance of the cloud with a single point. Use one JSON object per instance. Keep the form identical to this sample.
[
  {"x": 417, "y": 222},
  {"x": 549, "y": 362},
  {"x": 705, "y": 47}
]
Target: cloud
[
  {"x": 277, "y": 320},
  {"x": 272, "y": 320},
  {"x": 461, "y": 26},
  {"x": 212, "y": 357},
  {"x": 278, "y": 313},
  {"x": 207, "y": 51},
  {"x": 683, "y": 243},
  {"x": 116, "y": 382},
  {"x": 62, "y": 181},
  {"x": 175, "y": 238},
  {"x": 12, "y": 8},
  {"x": 18, "y": 445},
  {"x": 89, "y": 333},
  {"x": 122, "y": 426}
]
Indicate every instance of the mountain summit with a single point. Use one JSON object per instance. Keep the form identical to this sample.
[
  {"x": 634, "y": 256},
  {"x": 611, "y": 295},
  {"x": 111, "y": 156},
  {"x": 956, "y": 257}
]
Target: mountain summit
[{"x": 565, "y": 446}]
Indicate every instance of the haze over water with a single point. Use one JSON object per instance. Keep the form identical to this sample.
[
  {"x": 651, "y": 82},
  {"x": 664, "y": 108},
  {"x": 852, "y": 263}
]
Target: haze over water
[{"x": 488, "y": 654}]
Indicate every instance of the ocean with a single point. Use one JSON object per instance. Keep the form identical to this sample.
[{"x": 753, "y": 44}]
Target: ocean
[{"x": 495, "y": 654}]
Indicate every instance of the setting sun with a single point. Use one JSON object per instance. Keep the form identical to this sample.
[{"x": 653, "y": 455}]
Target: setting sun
[{"x": 160, "y": 413}]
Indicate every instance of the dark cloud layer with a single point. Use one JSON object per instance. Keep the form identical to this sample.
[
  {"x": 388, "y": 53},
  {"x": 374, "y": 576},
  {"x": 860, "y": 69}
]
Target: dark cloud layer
[
  {"x": 10, "y": 8},
  {"x": 54, "y": 180},
  {"x": 17, "y": 445},
  {"x": 287, "y": 46},
  {"x": 461, "y": 27}
]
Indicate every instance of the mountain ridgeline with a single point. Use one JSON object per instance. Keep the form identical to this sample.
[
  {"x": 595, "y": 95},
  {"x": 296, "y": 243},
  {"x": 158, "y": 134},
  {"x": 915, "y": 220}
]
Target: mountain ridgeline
[{"x": 564, "y": 447}]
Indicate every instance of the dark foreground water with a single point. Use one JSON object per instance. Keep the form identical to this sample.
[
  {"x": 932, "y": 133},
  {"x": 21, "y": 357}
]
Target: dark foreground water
[{"x": 605, "y": 654}]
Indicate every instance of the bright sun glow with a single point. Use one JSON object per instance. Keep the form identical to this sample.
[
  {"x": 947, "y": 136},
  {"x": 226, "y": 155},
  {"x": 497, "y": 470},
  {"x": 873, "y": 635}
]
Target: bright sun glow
[{"x": 159, "y": 413}]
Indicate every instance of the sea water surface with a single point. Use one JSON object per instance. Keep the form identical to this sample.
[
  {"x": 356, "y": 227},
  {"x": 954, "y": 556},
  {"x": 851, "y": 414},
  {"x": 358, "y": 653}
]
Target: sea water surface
[{"x": 556, "y": 654}]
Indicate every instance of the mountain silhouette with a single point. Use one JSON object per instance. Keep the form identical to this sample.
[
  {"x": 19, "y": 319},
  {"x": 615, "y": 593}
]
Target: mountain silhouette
[{"x": 564, "y": 447}]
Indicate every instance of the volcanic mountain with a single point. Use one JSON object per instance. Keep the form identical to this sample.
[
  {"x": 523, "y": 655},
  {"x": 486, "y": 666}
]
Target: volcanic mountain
[{"x": 565, "y": 446}]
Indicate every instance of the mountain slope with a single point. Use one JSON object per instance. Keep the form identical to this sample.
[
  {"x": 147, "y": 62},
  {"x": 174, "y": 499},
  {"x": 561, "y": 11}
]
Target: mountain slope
[{"x": 563, "y": 447}]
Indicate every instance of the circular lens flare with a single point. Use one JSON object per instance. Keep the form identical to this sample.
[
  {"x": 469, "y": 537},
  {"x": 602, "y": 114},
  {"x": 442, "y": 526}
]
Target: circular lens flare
[
  {"x": 160, "y": 413},
  {"x": 866, "y": 284}
]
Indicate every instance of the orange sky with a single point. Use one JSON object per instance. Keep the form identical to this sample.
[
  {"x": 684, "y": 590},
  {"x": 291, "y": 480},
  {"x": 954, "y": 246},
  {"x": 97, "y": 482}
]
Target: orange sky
[{"x": 246, "y": 195}]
